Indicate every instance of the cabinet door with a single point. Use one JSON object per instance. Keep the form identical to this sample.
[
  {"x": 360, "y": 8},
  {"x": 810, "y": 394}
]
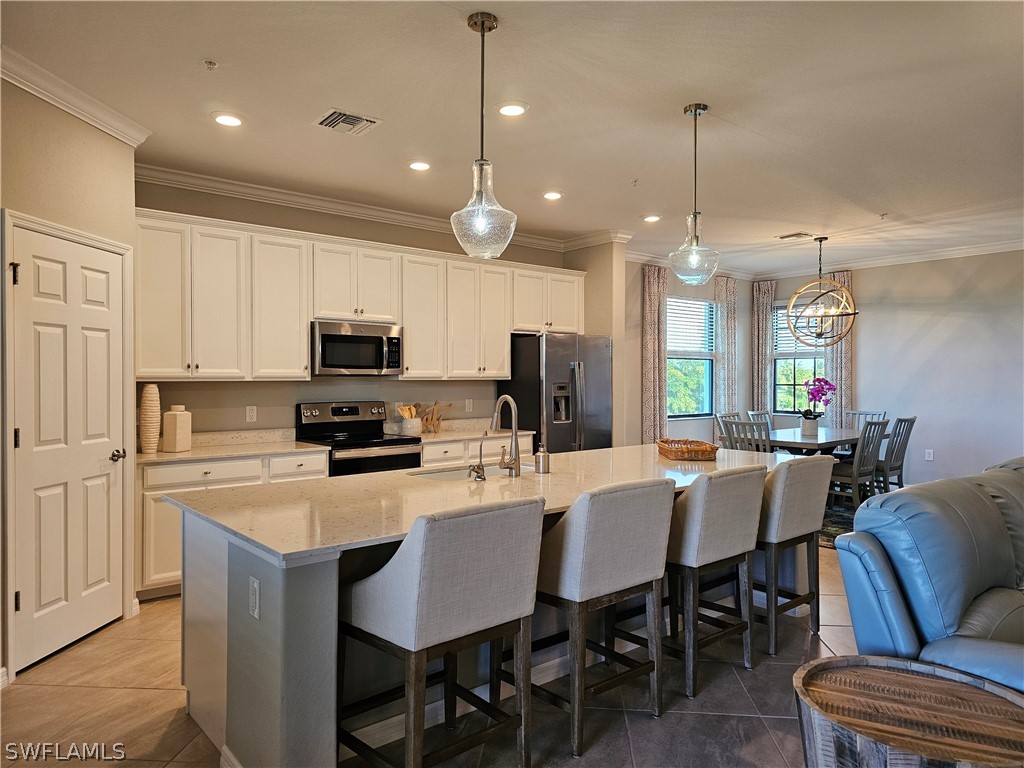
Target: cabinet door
[
  {"x": 161, "y": 541},
  {"x": 463, "y": 321},
  {"x": 163, "y": 301},
  {"x": 495, "y": 322},
  {"x": 564, "y": 302},
  {"x": 280, "y": 308},
  {"x": 378, "y": 286},
  {"x": 528, "y": 313},
  {"x": 221, "y": 299},
  {"x": 334, "y": 282},
  {"x": 423, "y": 313}
]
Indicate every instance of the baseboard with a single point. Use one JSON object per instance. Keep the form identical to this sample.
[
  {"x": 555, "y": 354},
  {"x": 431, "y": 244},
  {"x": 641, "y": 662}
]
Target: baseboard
[
  {"x": 228, "y": 759},
  {"x": 3, "y": 677}
]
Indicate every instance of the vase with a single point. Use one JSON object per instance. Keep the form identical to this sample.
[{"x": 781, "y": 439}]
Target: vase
[
  {"x": 809, "y": 427},
  {"x": 149, "y": 418},
  {"x": 177, "y": 430}
]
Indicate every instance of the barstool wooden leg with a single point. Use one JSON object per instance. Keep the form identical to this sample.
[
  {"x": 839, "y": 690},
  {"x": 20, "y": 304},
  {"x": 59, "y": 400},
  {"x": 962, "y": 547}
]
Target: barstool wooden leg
[
  {"x": 521, "y": 651},
  {"x": 415, "y": 701},
  {"x": 675, "y": 588},
  {"x": 341, "y": 676},
  {"x": 689, "y": 598},
  {"x": 494, "y": 665},
  {"x": 746, "y": 605},
  {"x": 812, "y": 582},
  {"x": 577, "y": 662},
  {"x": 771, "y": 594},
  {"x": 608, "y": 620},
  {"x": 654, "y": 643},
  {"x": 451, "y": 675}
]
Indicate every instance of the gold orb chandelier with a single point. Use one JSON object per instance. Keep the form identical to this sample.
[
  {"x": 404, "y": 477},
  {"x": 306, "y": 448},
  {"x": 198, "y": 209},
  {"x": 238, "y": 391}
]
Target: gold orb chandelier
[{"x": 821, "y": 312}]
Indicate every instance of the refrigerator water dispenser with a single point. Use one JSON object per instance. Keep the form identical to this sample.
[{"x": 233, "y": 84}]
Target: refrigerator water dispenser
[{"x": 562, "y": 405}]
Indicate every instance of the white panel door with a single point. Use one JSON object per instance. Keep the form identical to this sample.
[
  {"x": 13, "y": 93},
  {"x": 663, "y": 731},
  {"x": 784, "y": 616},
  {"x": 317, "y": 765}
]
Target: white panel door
[
  {"x": 334, "y": 282},
  {"x": 495, "y": 322},
  {"x": 161, "y": 540},
  {"x": 163, "y": 301},
  {"x": 564, "y": 301},
  {"x": 423, "y": 313},
  {"x": 378, "y": 286},
  {"x": 221, "y": 299},
  {"x": 68, "y": 391},
  {"x": 280, "y": 307},
  {"x": 463, "y": 321},
  {"x": 528, "y": 297}
]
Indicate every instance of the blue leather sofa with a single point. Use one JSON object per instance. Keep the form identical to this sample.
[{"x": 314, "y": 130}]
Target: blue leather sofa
[{"x": 936, "y": 572}]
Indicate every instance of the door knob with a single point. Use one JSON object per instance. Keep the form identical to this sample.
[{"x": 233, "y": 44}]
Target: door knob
[{"x": 117, "y": 455}]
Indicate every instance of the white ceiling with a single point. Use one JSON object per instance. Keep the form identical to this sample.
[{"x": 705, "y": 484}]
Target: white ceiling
[{"x": 823, "y": 116}]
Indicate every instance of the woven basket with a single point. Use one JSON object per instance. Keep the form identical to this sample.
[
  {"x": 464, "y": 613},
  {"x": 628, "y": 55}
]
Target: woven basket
[{"x": 691, "y": 450}]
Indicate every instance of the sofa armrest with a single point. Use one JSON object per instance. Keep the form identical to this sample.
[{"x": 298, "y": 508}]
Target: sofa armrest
[
  {"x": 999, "y": 662},
  {"x": 881, "y": 621}
]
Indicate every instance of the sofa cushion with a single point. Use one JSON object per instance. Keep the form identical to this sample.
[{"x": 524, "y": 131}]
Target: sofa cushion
[
  {"x": 1002, "y": 663},
  {"x": 1005, "y": 486},
  {"x": 947, "y": 543},
  {"x": 997, "y": 614}
]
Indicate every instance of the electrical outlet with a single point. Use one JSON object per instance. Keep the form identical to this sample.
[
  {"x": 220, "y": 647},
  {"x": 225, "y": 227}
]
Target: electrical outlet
[
  {"x": 254, "y": 597},
  {"x": 469, "y": 405},
  {"x": 929, "y": 454},
  {"x": 250, "y": 414}
]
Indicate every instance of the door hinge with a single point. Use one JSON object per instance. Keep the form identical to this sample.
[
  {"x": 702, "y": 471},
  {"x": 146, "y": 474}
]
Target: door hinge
[
  {"x": 17, "y": 437},
  {"x": 17, "y": 600},
  {"x": 14, "y": 271}
]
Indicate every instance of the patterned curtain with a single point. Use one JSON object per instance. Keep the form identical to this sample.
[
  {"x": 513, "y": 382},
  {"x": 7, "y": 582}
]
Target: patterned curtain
[
  {"x": 761, "y": 344},
  {"x": 653, "y": 417},
  {"x": 725, "y": 347},
  {"x": 839, "y": 365}
]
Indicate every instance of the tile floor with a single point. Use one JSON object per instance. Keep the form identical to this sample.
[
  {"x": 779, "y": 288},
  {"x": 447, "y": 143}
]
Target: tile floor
[{"x": 121, "y": 684}]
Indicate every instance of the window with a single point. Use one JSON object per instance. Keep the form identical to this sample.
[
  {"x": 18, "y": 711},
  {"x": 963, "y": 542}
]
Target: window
[
  {"x": 793, "y": 363},
  {"x": 691, "y": 345}
]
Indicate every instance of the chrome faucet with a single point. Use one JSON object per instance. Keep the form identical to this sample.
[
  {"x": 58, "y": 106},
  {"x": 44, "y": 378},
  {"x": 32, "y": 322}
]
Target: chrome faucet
[
  {"x": 512, "y": 462},
  {"x": 476, "y": 471}
]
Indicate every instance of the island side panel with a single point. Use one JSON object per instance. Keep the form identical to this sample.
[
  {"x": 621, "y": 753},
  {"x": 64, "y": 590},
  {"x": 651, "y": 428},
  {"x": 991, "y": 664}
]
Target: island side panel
[{"x": 282, "y": 667}]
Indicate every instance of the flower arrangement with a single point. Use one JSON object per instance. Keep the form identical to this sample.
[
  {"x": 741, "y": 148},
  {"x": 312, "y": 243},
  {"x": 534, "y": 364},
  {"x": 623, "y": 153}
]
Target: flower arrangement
[{"x": 819, "y": 392}]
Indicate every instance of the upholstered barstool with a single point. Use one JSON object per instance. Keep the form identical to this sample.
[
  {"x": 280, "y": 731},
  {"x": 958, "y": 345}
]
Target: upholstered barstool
[
  {"x": 608, "y": 547},
  {"x": 459, "y": 579},
  {"x": 792, "y": 510},
  {"x": 714, "y": 525}
]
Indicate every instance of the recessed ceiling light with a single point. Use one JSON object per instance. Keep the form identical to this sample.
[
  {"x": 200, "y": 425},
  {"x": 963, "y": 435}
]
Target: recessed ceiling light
[
  {"x": 513, "y": 108},
  {"x": 228, "y": 118},
  {"x": 419, "y": 166},
  {"x": 652, "y": 218},
  {"x": 552, "y": 195}
]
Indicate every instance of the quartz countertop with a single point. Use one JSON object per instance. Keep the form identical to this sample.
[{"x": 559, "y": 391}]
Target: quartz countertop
[
  {"x": 229, "y": 451},
  {"x": 289, "y": 523}
]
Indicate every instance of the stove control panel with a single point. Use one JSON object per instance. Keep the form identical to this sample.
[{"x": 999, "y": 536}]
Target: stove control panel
[{"x": 310, "y": 413}]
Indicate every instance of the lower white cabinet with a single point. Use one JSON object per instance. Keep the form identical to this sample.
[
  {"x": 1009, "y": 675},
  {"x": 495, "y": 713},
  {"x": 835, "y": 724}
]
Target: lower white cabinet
[
  {"x": 158, "y": 523},
  {"x": 463, "y": 451}
]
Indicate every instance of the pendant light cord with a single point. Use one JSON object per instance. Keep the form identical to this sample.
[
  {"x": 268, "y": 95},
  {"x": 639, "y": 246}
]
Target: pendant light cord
[
  {"x": 819, "y": 260},
  {"x": 483, "y": 33},
  {"x": 695, "y": 114}
]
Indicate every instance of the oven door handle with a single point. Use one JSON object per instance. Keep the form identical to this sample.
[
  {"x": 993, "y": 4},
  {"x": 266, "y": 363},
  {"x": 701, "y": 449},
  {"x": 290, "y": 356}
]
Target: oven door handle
[{"x": 369, "y": 453}]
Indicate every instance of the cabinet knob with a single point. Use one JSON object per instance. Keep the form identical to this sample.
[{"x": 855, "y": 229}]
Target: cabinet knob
[
  {"x": 206, "y": 472},
  {"x": 355, "y": 311},
  {"x": 407, "y": 367},
  {"x": 305, "y": 367},
  {"x": 445, "y": 452},
  {"x": 188, "y": 366},
  {"x": 300, "y": 464},
  {"x": 485, "y": 367},
  {"x": 197, "y": 366}
]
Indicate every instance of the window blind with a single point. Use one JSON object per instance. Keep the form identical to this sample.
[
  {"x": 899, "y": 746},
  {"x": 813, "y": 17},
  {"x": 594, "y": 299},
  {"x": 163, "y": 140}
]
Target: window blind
[
  {"x": 690, "y": 326},
  {"x": 783, "y": 341}
]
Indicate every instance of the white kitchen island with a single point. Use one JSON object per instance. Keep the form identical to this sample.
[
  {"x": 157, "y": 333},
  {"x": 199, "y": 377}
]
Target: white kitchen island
[{"x": 264, "y": 688}]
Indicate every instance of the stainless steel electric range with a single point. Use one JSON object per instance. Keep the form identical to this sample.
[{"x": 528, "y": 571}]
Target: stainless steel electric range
[{"x": 355, "y": 433}]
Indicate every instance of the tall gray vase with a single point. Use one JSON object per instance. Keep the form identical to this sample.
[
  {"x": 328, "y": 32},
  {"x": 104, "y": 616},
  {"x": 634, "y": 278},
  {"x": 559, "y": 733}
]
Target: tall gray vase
[{"x": 149, "y": 418}]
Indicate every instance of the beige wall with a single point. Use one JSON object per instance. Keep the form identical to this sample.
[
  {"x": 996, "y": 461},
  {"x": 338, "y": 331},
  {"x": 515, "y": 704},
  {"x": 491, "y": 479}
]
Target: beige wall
[
  {"x": 163, "y": 198},
  {"x": 59, "y": 168}
]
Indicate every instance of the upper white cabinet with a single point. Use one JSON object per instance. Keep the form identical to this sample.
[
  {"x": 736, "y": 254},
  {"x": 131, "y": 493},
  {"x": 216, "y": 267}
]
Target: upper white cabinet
[
  {"x": 359, "y": 284},
  {"x": 479, "y": 321},
  {"x": 280, "y": 307},
  {"x": 423, "y": 313},
  {"x": 192, "y": 302},
  {"x": 545, "y": 301}
]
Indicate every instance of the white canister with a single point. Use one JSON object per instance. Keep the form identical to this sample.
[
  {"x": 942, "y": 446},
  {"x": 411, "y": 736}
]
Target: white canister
[
  {"x": 177, "y": 430},
  {"x": 412, "y": 427}
]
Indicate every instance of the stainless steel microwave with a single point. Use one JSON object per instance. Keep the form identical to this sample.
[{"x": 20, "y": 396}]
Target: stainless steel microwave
[{"x": 355, "y": 349}]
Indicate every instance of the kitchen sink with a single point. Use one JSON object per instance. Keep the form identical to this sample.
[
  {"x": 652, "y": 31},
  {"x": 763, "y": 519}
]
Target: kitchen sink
[{"x": 461, "y": 473}]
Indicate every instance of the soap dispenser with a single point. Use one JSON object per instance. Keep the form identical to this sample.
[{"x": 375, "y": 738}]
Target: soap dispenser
[{"x": 542, "y": 461}]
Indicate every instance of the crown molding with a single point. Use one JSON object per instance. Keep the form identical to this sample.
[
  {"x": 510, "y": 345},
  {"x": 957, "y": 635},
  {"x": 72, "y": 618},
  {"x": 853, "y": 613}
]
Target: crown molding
[
  {"x": 196, "y": 182},
  {"x": 21, "y": 72},
  {"x": 662, "y": 261},
  {"x": 602, "y": 237}
]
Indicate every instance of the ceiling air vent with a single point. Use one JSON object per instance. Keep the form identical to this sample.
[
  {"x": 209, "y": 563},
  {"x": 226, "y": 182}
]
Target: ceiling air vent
[
  {"x": 793, "y": 236},
  {"x": 346, "y": 122}
]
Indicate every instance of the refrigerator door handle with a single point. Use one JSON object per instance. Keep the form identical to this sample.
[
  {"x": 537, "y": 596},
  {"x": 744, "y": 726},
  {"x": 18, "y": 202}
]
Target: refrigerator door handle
[
  {"x": 581, "y": 395},
  {"x": 575, "y": 404}
]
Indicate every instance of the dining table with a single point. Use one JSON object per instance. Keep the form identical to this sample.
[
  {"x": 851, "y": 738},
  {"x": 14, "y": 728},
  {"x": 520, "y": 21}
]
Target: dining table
[{"x": 825, "y": 442}]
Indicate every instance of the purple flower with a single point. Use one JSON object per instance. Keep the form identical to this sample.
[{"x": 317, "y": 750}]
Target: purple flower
[{"x": 820, "y": 391}]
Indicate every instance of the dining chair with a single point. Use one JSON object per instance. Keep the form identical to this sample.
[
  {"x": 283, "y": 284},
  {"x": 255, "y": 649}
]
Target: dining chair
[
  {"x": 449, "y": 586},
  {"x": 762, "y": 416},
  {"x": 855, "y": 479},
  {"x": 855, "y": 420},
  {"x": 895, "y": 452},
  {"x": 749, "y": 435},
  {"x": 720, "y": 419}
]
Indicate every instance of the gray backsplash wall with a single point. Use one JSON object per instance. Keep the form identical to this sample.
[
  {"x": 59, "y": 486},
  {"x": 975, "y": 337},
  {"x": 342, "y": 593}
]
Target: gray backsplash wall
[{"x": 220, "y": 405}]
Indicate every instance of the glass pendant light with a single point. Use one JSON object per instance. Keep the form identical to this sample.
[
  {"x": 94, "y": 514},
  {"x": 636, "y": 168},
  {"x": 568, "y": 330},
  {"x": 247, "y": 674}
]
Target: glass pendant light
[
  {"x": 693, "y": 263},
  {"x": 483, "y": 228}
]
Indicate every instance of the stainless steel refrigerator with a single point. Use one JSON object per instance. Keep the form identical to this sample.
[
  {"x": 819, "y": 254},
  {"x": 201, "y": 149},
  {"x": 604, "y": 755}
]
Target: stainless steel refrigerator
[{"x": 562, "y": 383}]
